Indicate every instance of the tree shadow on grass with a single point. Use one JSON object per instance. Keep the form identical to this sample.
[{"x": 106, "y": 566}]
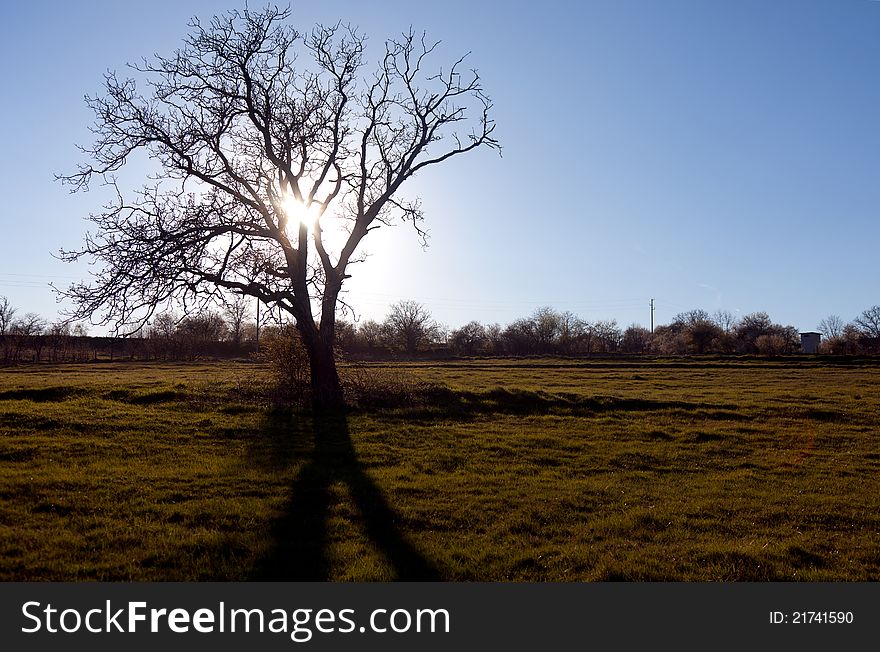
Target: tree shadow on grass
[
  {"x": 442, "y": 403},
  {"x": 300, "y": 537}
]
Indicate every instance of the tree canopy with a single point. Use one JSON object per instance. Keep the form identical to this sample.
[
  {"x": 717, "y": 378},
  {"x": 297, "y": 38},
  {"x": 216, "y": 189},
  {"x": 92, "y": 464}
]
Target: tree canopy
[{"x": 272, "y": 145}]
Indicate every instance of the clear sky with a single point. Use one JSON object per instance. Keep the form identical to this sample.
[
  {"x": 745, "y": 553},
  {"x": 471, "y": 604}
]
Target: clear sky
[{"x": 706, "y": 153}]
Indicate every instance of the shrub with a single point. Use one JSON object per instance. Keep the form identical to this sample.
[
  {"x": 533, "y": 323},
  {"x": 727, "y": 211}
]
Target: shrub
[
  {"x": 381, "y": 388},
  {"x": 770, "y": 344},
  {"x": 284, "y": 351}
]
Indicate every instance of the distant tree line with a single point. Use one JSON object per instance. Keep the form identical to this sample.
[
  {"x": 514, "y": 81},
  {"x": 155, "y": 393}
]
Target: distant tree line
[
  {"x": 170, "y": 336},
  {"x": 28, "y": 338},
  {"x": 410, "y": 330}
]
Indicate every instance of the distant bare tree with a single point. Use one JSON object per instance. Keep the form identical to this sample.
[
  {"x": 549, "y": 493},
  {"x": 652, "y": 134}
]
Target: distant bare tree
[
  {"x": 165, "y": 325},
  {"x": 469, "y": 339},
  {"x": 410, "y": 325},
  {"x": 636, "y": 339},
  {"x": 520, "y": 338},
  {"x": 495, "y": 338},
  {"x": 572, "y": 332},
  {"x": 25, "y": 334},
  {"x": 29, "y": 324},
  {"x": 346, "y": 336},
  {"x": 698, "y": 328},
  {"x": 606, "y": 335},
  {"x": 850, "y": 343},
  {"x": 58, "y": 336},
  {"x": 670, "y": 339},
  {"x": 441, "y": 333},
  {"x": 791, "y": 338},
  {"x": 726, "y": 341},
  {"x": 869, "y": 322},
  {"x": 198, "y": 332},
  {"x": 691, "y": 317},
  {"x": 163, "y": 335},
  {"x": 831, "y": 327},
  {"x": 750, "y": 328},
  {"x": 268, "y": 140},
  {"x": 237, "y": 312},
  {"x": 7, "y": 313},
  {"x": 725, "y": 320},
  {"x": 370, "y": 334},
  {"x": 207, "y": 326},
  {"x": 547, "y": 326}
]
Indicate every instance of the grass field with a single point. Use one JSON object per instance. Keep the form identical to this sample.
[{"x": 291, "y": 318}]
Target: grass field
[{"x": 504, "y": 470}]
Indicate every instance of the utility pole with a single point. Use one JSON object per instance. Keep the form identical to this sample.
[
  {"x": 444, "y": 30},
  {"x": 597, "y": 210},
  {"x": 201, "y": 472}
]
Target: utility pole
[{"x": 652, "y": 316}]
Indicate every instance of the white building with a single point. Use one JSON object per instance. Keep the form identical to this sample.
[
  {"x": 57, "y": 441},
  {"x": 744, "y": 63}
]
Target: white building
[{"x": 810, "y": 341}]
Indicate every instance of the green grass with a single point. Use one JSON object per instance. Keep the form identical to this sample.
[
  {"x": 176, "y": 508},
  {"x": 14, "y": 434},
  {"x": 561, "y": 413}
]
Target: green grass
[{"x": 501, "y": 470}]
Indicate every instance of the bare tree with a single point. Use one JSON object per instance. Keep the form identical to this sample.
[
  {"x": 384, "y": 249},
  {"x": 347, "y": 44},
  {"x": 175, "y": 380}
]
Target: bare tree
[
  {"x": 7, "y": 313},
  {"x": 410, "y": 325},
  {"x": 198, "y": 332},
  {"x": 636, "y": 339},
  {"x": 750, "y": 328},
  {"x": 831, "y": 327},
  {"x": 520, "y": 337},
  {"x": 58, "y": 337},
  {"x": 237, "y": 311},
  {"x": 725, "y": 320},
  {"x": 695, "y": 329},
  {"x": 272, "y": 148},
  {"x": 495, "y": 338},
  {"x": 572, "y": 332},
  {"x": 691, "y": 317},
  {"x": 346, "y": 336},
  {"x": 851, "y": 342},
  {"x": 791, "y": 338},
  {"x": 370, "y": 334},
  {"x": 607, "y": 335},
  {"x": 469, "y": 339},
  {"x": 670, "y": 339},
  {"x": 27, "y": 332},
  {"x": 162, "y": 333},
  {"x": 547, "y": 326},
  {"x": 869, "y": 322}
]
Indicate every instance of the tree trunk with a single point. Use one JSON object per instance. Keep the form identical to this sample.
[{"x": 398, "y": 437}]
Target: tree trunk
[{"x": 326, "y": 388}]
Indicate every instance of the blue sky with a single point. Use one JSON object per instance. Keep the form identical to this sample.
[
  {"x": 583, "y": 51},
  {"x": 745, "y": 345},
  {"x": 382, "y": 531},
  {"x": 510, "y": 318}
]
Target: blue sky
[{"x": 708, "y": 154}]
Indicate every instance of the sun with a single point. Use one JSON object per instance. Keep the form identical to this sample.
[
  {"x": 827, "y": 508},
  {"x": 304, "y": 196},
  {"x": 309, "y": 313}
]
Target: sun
[
  {"x": 334, "y": 230},
  {"x": 297, "y": 212}
]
